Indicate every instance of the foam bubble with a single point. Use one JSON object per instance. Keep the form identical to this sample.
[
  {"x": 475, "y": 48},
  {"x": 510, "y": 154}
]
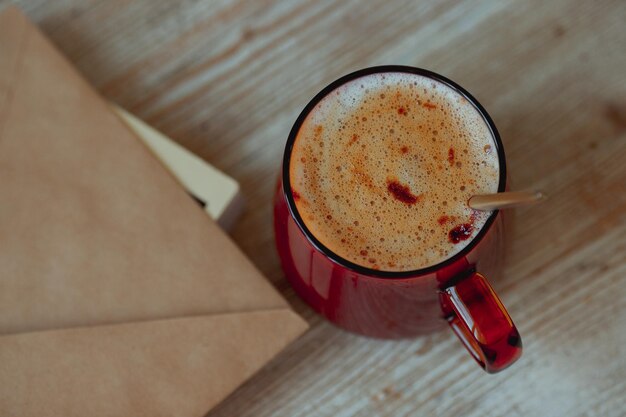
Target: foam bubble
[{"x": 380, "y": 161}]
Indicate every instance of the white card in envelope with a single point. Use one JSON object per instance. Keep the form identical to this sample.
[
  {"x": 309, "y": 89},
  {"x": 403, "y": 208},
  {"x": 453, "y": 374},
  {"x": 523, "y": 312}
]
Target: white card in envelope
[{"x": 215, "y": 191}]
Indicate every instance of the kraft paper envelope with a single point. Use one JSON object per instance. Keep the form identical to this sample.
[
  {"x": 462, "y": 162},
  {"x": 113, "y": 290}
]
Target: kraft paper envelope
[{"x": 118, "y": 295}]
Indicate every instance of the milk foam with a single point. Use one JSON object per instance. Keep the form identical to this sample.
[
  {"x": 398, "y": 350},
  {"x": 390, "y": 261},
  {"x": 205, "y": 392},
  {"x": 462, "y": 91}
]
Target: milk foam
[{"x": 383, "y": 166}]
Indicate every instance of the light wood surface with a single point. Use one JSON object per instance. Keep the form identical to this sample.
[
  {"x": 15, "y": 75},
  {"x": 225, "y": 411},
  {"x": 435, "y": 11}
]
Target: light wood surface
[{"x": 227, "y": 78}]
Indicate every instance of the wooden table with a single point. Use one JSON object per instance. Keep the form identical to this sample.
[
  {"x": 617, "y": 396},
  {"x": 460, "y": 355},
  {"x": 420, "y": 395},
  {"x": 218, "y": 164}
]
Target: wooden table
[{"x": 227, "y": 78}]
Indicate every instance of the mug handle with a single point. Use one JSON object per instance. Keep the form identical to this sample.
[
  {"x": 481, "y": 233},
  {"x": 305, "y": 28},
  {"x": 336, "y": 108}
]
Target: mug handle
[{"x": 479, "y": 319}]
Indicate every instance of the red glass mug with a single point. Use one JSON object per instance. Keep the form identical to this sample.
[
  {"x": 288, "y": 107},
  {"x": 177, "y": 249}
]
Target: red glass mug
[{"x": 389, "y": 304}]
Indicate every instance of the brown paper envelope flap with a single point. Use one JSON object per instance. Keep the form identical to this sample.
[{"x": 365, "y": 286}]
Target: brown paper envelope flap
[
  {"x": 92, "y": 229},
  {"x": 11, "y": 26},
  {"x": 179, "y": 367}
]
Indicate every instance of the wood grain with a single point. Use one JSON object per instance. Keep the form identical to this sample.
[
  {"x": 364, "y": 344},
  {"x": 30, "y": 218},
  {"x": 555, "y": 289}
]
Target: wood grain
[{"x": 227, "y": 79}]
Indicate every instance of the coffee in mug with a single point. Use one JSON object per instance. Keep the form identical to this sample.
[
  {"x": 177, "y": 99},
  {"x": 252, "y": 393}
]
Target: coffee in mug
[
  {"x": 371, "y": 214},
  {"x": 382, "y": 168}
]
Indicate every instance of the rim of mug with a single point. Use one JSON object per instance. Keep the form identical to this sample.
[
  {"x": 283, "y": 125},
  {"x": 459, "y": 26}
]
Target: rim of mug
[{"x": 363, "y": 270}]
